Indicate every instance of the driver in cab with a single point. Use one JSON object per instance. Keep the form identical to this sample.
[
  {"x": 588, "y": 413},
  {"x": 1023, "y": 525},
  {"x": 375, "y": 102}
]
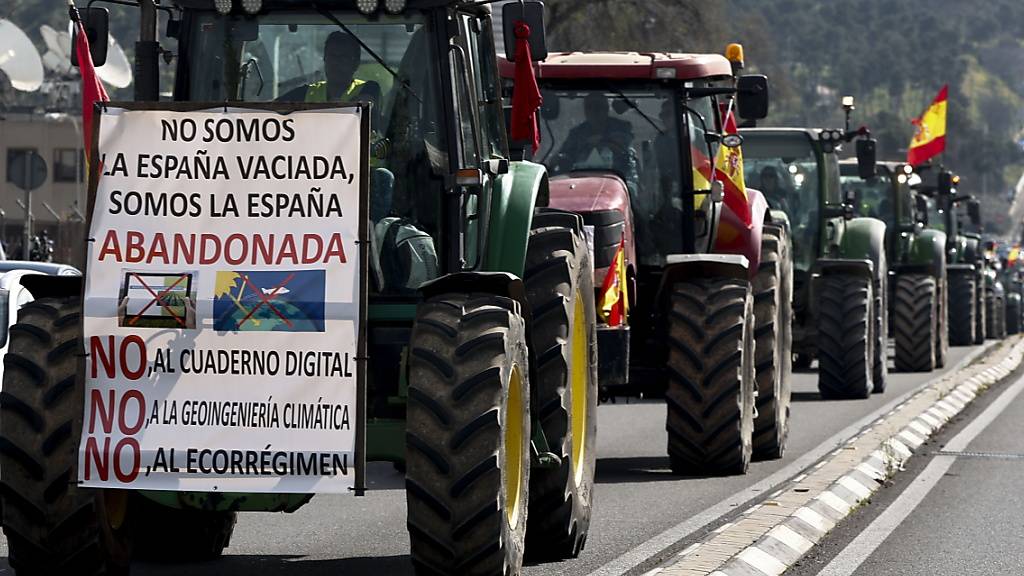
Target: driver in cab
[
  {"x": 600, "y": 142},
  {"x": 342, "y": 54}
]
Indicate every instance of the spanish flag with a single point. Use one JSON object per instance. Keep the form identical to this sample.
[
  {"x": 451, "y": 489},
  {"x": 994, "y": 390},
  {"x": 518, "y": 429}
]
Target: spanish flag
[
  {"x": 729, "y": 169},
  {"x": 614, "y": 304},
  {"x": 930, "y": 133},
  {"x": 92, "y": 87}
]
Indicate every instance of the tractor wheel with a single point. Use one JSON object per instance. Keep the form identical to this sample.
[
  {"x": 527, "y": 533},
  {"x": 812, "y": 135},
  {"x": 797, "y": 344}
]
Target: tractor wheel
[
  {"x": 916, "y": 323},
  {"x": 981, "y": 311},
  {"x": 711, "y": 384},
  {"x": 773, "y": 355},
  {"x": 961, "y": 304},
  {"x": 845, "y": 336},
  {"x": 1001, "y": 317},
  {"x": 53, "y": 526},
  {"x": 165, "y": 534},
  {"x": 559, "y": 282},
  {"x": 942, "y": 323},
  {"x": 992, "y": 317},
  {"x": 468, "y": 436},
  {"x": 1013, "y": 316},
  {"x": 880, "y": 371}
]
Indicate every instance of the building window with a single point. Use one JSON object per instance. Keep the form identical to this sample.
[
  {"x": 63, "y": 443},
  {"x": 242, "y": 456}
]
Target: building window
[
  {"x": 16, "y": 163},
  {"x": 68, "y": 165}
]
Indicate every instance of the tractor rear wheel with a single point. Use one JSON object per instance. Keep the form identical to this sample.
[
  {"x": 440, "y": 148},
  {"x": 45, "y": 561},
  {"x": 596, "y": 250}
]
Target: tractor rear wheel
[
  {"x": 166, "y": 534},
  {"x": 993, "y": 314},
  {"x": 981, "y": 311},
  {"x": 916, "y": 322},
  {"x": 53, "y": 526},
  {"x": 711, "y": 384},
  {"x": 559, "y": 282},
  {"x": 845, "y": 336},
  {"x": 1013, "y": 315},
  {"x": 468, "y": 436},
  {"x": 961, "y": 309},
  {"x": 880, "y": 369},
  {"x": 773, "y": 353},
  {"x": 942, "y": 322}
]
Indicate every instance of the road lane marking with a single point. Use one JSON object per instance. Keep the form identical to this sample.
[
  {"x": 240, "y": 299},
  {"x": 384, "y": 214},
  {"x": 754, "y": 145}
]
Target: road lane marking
[
  {"x": 659, "y": 543},
  {"x": 857, "y": 551},
  {"x": 791, "y": 538},
  {"x": 762, "y": 561}
]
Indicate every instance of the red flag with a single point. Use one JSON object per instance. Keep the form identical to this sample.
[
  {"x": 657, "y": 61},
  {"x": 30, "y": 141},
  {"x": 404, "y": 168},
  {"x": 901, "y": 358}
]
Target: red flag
[
  {"x": 526, "y": 99},
  {"x": 92, "y": 87}
]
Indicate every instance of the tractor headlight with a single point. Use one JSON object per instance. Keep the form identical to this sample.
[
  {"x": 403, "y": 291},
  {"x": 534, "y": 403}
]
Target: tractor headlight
[
  {"x": 394, "y": 6},
  {"x": 367, "y": 6},
  {"x": 222, "y": 6},
  {"x": 252, "y": 6}
]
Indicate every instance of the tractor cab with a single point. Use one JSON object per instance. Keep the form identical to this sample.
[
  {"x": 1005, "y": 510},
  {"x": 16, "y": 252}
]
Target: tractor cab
[{"x": 887, "y": 196}]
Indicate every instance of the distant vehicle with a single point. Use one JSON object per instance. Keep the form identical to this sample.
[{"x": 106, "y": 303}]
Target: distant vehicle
[{"x": 49, "y": 268}]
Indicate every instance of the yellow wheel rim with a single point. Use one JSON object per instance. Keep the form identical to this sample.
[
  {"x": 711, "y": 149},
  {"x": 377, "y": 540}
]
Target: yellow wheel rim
[
  {"x": 514, "y": 447},
  {"x": 115, "y": 504},
  {"x": 579, "y": 374}
]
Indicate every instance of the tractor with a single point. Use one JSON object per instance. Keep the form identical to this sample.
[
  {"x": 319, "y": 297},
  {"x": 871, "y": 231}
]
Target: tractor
[
  {"x": 1013, "y": 281},
  {"x": 480, "y": 328},
  {"x": 839, "y": 262},
  {"x": 917, "y": 262},
  {"x": 631, "y": 141}
]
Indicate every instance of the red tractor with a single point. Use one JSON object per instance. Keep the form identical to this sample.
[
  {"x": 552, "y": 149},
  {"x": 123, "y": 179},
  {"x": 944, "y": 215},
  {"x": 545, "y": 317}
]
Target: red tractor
[{"x": 689, "y": 269}]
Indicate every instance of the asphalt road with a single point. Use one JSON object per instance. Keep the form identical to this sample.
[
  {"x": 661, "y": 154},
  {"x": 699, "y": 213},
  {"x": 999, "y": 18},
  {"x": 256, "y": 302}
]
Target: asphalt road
[
  {"x": 958, "y": 509},
  {"x": 636, "y": 499}
]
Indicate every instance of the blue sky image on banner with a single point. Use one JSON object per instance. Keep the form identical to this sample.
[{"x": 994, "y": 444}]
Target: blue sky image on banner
[{"x": 280, "y": 301}]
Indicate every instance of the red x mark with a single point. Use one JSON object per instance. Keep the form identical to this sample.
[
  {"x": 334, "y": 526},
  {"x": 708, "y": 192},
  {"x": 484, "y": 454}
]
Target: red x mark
[
  {"x": 264, "y": 299},
  {"x": 158, "y": 299}
]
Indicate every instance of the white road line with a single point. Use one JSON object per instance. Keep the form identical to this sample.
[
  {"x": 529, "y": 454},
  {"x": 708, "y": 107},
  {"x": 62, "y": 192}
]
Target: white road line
[
  {"x": 762, "y": 561},
  {"x": 660, "y": 542},
  {"x": 857, "y": 551}
]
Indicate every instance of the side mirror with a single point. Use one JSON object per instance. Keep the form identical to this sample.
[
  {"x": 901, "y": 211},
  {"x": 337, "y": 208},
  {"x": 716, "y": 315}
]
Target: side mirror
[
  {"x": 752, "y": 96},
  {"x": 532, "y": 13},
  {"x": 921, "y": 206},
  {"x": 974, "y": 212},
  {"x": 866, "y": 158},
  {"x": 97, "y": 29}
]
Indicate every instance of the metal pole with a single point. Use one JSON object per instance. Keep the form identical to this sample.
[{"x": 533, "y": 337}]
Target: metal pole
[
  {"x": 147, "y": 55},
  {"x": 28, "y": 207}
]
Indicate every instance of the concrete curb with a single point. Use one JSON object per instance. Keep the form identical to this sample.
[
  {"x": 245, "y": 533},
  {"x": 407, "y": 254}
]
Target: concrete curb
[{"x": 772, "y": 535}]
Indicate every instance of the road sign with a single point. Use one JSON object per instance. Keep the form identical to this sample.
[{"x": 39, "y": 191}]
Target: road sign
[{"x": 26, "y": 169}]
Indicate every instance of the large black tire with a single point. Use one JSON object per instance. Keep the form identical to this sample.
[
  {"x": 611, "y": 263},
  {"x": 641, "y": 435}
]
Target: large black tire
[
  {"x": 845, "y": 336},
  {"x": 916, "y": 322},
  {"x": 164, "y": 534},
  {"x": 880, "y": 363},
  {"x": 773, "y": 352},
  {"x": 53, "y": 526},
  {"x": 468, "y": 436},
  {"x": 993, "y": 316},
  {"x": 711, "y": 382},
  {"x": 1013, "y": 315},
  {"x": 942, "y": 322},
  {"x": 980, "y": 310},
  {"x": 559, "y": 281},
  {"x": 962, "y": 306}
]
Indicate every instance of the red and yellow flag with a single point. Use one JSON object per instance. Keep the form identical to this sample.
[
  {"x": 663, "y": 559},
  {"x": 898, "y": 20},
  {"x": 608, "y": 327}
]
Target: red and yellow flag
[
  {"x": 729, "y": 169},
  {"x": 92, "y": 87},
  {"x": 930, "y": 131},
  {"x": 614, "y": 303}
]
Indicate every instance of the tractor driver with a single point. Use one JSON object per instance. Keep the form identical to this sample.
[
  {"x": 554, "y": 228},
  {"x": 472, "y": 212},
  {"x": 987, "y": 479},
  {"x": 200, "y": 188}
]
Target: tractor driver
[
  {"x": 342, "y": 54},
  {"x": 776, "y": 194},
  {"x": 601, "y": 142}
]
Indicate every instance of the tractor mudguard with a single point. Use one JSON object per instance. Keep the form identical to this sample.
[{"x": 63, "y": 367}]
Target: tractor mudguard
[
  {"x": 679, "y": 267},
  {"x": 971, "y": 249},
  {"x": 497, "y": 283},
  {"x": 734, "y": 237},
  {"x": 927, "y": 254},
  {"x": 513, "y": 199},
  {"x": 851, "y": 266},
  {"x": 961, "y": 249},
  {"x": 864, "y": 239}
]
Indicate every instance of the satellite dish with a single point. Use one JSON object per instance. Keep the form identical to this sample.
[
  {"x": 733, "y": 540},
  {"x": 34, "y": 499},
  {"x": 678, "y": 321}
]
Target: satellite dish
[
  {"x": 56, "y": 59},
  {"x": 116, "y": 71},
  {"x": 19, "y": 59}
]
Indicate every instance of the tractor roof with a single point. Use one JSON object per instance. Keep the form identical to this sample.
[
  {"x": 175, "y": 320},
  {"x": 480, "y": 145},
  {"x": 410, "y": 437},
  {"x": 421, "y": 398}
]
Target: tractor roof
[
  {"x": 811, "y": 132},
  {"x": 633, "y": 65}
]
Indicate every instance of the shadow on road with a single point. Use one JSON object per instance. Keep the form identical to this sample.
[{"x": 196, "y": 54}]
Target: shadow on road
[
  {"x": 638, "y": 469},
  {"x": 805, "y": 397},
  {"x": 281, "y": 566}
]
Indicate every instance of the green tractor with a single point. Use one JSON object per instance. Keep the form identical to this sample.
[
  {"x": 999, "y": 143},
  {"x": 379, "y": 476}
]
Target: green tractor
[
  {"x": 481, "y": 348},
  {"x": 966, "y": 268},
  {"x": 840, "y": 272},
  {"x": 916, "y": 255}
]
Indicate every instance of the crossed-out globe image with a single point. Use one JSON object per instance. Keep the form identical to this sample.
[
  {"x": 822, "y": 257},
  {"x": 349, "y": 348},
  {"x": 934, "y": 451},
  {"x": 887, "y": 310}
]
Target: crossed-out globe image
[{"x": 260, "y": 301}]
